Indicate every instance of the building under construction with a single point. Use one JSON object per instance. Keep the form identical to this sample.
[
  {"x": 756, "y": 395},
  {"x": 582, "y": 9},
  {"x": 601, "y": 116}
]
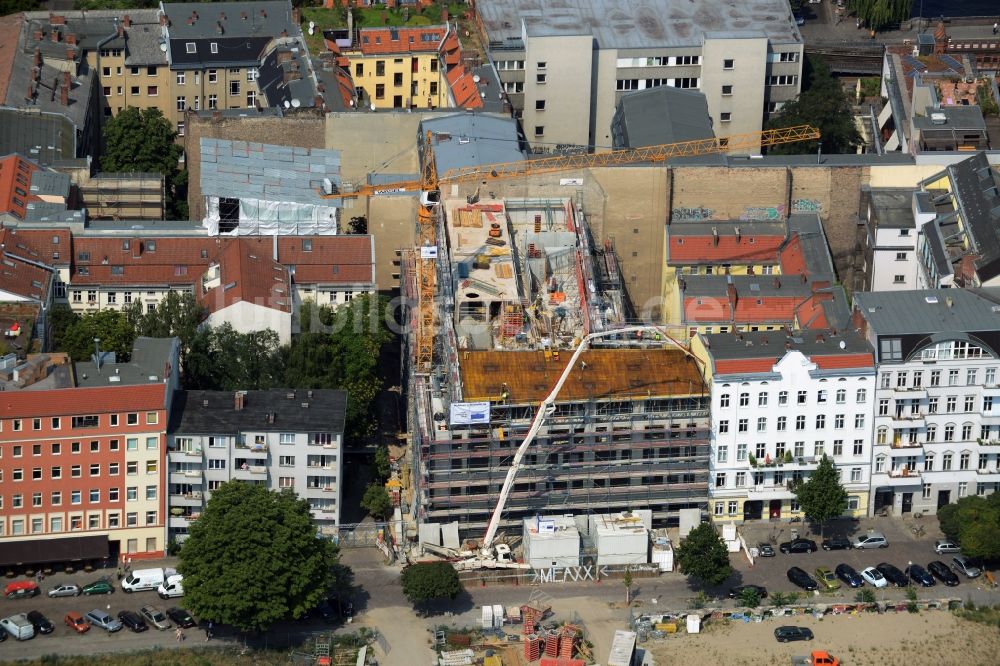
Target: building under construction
[{"x": 519, "y": 284}]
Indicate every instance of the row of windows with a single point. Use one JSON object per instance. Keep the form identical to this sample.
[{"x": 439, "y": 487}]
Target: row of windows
[
  {"x": 947, "y": 462},
  {"x": 801, "y": 398},
  {"x": 905, "y": 380},
  {"x": 93, "y": 521},
  {"x": 757, "y": 478},
  {"x": 911, "y": 407},
  {"x": 743, "y": 425},
  {"x": 642, "y": 84},
  {"x": 780, "y": 450},
  {"x": 731, "y": 507},
  {"x": 76, "y": 471},
  {"x": 76, "y": 497},
  {"x": 89, "y": 421}
]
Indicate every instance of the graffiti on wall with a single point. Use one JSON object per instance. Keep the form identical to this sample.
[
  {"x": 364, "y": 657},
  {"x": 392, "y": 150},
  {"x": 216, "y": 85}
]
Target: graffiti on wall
[
  {"x": 763, "y": 213},
  {"x": 807, "y": 206},
  {"x": 691, "y": 214}
]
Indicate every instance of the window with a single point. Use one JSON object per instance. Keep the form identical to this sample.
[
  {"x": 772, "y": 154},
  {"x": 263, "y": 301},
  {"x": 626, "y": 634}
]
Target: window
[
  {"x": 761, "y": 424},
  {"x": 963, "y": 488},
  {"x": 132, "y": 444},
  {"x": 252, "y": 74},
  {"x": 953, "y": 377},
  {"x": 946, "y": 462},
  {"x": 820, "y": 421},
  {"x": 722, "y": 454},
  {"x": 859, "y": 421},
  {"x": 732, "y": 506},
  {"x": 234, "y": 88},
  {"x": 988, "y": 403},
  {"x": 743, "y": 425},
  {"x": 131, "y": 467},
  {"x": 932, "y": 405},
  {"x": 76, "y": 471},
  {"x": 379, "y": 91},
  {"x": 728, "y": 63},
  {"x": 539, "y": 130},
  {"x": 150, "y": 493},
  {"x": 782, "y": 398},
  {"x": 723, "y": 426},
  {"x": 970, "y": 403},
  {"x": 132, "y": 493},
  {"x": 782, "y": 423},
  {"x": 949, "y": 432},
  {"x": 855, "y": 474},
  {"x": 76, "y": 497},
  {"x": 838, "y": 447},
  {"x": 901, "y": 378},
  {"x": 727, "y": 90},
  {"x": 882, "y": 435},
  {"x": 891, "y": 349},
  {"x": 131, "y": 520},
  {"x": 286, "y": 481},
  {"x": 991, "y": 376},
  {"x": 180, "y": 132},
  {"x": 213, "y": 102},
  {"x": 918, "y": 379},
  {"x": 380, "y": 68},
  {"x": 251, "y": 99},
  {"x": 741, "y": 479},
  {"x": 935, "y": 378},
  {"x": 861, "y": 396},
  {"x": 540, "y": 78},
  {"x": 783, "y": 80},
  {"x": 741, "y": 452},
  {"x": 216, "y": 464},
  {"x": 152, "y": 443},
  {"x": 113, "y": 468},
  {"x": 95, "y": 469},
  {"x": 859, "y": 447},
  {"x": 152, "y": 91},
  {"x": 950, "y": 404},
  {"x": 151, "y": 466},
  {"x": 95, "y": 495},
  {"x": 720, "y": 480},
  {"x": 85, "y": 421},
  {"x": 800, "y": 422},
  {"x": 762, "y": 399},
  {"x": 213, "y": 47},
  {"x": 883, "y": 407},
  {"x": 744, "y": 399},
  {"x": 760, "y": 450},
  {"x": 539, "y": 105},
  {"x": 963, "y": 460},
  {"x": 719, "y": 508},
  {"x": 802, "y": 396},
  {"x": 724, "y": 400},
  {"x": 56, "y": 447}
]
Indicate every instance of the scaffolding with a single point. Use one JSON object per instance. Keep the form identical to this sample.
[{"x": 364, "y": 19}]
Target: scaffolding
[{"x": 124, "y": 196}]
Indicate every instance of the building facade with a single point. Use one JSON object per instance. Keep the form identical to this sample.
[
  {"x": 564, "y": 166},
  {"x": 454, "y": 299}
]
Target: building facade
[
  {"x": 780, "y": 403},
  {"x": 937, "y": 433},
  {"x": 283, "y": 439}
]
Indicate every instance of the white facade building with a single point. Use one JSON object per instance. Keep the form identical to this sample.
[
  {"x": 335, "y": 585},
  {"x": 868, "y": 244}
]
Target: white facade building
[
  {"x": 892, "y": 220},
  {"x": 280, "y": 438},
  {"x": 779, "y": 403},
  {"x": 937, "y": 433}
]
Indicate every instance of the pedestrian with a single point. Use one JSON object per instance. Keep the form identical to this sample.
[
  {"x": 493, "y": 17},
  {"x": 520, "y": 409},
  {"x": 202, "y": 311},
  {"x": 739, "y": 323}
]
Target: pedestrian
[
  {"x": 208, "y": 632},
  {"x": 179, "y": 634},
  {"x": 119, "y": 573},
  {"x": 996, "y": 27}
]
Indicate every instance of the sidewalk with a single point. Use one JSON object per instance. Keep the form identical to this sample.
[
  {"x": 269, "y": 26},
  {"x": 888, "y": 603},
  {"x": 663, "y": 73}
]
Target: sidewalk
[{"x": 824, "y": 26}]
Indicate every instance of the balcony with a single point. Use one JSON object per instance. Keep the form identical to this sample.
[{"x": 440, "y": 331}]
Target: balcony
[
  {"x": 187, "y": 499},
  {"x": 905, "y": 443},
  {"x": 909, "y": 392},
  {"x": 182, "y": 520},
  {"x": 988, "y": 442},
  {"x": 254, "y": 450},
  {"x": 320, "y": 491},
  {"x": 250, "y": 473},
  {"x": 195, "y": 476},
  {"x": 989, "y": 472},
  {"x": 918, "y": 420},
  {"x": 904, "y": 473},
  {"x": 769, "y": 492},
  {"x": 192, "y": 455}
]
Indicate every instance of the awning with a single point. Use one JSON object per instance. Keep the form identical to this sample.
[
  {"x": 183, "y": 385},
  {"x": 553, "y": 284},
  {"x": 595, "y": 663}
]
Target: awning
[{"x": 40, "y": 551}]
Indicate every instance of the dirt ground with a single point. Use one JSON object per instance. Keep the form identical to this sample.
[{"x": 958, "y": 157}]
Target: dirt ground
[{"x": 931, "y": 638}]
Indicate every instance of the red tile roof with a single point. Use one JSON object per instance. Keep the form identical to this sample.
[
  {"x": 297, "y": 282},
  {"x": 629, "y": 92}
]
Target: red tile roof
[
  {"x": 137, "y": 261},
  {"x": 249, "y": 274},
  {"x": 839, "y": 361},
  {"x": 704, "y": 249},
  {"x": 79, "y": 401},
  {"x": 15, "y": 177},
  {"x": 744, "y": 366},
  {"x": 10, "y": 35},
  {"x": 332, "y": 260},
  {"x": 19, "y": 277},
  {"x": 741, "y": 366},
  {"x": 810, "y": 313},
  {"x": 378, "y": 41},
  {"x": 464, "y": 89},
  {"x": 792, "y": 258},
  {"x": 49, "y": 246}
]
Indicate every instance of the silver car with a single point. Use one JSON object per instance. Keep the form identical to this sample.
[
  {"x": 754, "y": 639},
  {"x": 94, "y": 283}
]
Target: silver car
[
  {"x": 65, "y": 590},
  {"x": 155, "y": 617},
  {"x": 942, "y": 546},
  {"x": 99, "y": 618},
  {"x": 962, "y": 565}
]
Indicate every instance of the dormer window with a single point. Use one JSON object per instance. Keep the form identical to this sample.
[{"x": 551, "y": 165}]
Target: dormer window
[
  {"x": 214, "y": 48},
  {"x": 190, "y": 47}
]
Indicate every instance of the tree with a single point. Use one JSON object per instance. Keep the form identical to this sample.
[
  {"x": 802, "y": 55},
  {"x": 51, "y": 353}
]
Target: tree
[
  {"x": 142, "y": 140},
  {"x": 376, "y": 501},
  {"x": 703, "y": 556},
  {"x": 224, "y": 359},
  {"x": 627, "y": 582},
  {"x": 114, "y": 328},
  {"x": 974, "y": 521},
  {"x": 383, "y": 468},
  {"x": 428, "y": 581},
  {"x": 822, "y": 104},
  {"x": 821, "y": 496},
  {"x": 177, "y": 315},
  {"x": 749, "y": 597},
  {"x": 253, "y": 558},
  {"x": 879, "y": 14}
]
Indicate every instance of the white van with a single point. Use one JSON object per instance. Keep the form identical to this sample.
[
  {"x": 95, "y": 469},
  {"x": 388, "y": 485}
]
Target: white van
[
  {"x": 145, "y": 579},
  {"x": 18, "y": 626},
  {"x": 173, "y": 586}
]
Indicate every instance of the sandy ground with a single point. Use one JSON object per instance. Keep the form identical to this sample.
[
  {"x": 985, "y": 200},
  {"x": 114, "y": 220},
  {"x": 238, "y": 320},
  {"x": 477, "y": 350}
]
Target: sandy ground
[{"x": 931, "y": 638}]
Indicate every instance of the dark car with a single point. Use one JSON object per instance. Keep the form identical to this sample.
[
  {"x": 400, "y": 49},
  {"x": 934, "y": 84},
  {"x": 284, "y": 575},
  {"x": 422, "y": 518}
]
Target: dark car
[
  {"x": 765, "y": 550},
  {"x": 919, "y": 575},
  {"x": 102, "y": 586},
  {"x": 324, "y": 610},
  {"x": 837, "y": 543},
  {"x": 785, "y": 634},
  {"x": 132, "y": 620},
  {"x": 40, "y": 622},
  {"x": 892, "y": 574},
  {"x": 737, "y": 592},
  {"x": 181, "y": 617},
  {"x": 802, "y": 579},
  {"x": 941, "y": 571},
  {"x": 798, "y": 546},
  {"x": 849, "y": 575},
  {"x": 3, "y": 634}
]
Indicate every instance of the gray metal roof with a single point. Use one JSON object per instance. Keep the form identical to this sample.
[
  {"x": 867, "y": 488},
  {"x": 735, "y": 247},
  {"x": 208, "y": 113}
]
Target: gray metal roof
[
  {"x": 893, "y": 207},
  {"x": 489, "y": 84},
  {"x": 976, "y": 186},
  {"x": 474, "y": 139},
  {"x": 50, "y": 183},
  {"x": 51, "y": 213},
  {"x": 764, "y": 344},
  {"x": 214, "y": 412},
  {"x": 728, "y": 228},
  {"x": 956, "y": 118},
  {"x": 150, "y": 357},
  {"x": 41, "y": 136},
  {"x": 747, "y": 286},
  {"x": 640, "y": 24},
  {"x": 925, "y": 311},
  {"x": 815, "y": 249},
  {"x": 297, "y": 92},
  {"x": 238, "y": 19},
  {"x": 663, "y": 114},
  {"x": 244, "y": 170}
]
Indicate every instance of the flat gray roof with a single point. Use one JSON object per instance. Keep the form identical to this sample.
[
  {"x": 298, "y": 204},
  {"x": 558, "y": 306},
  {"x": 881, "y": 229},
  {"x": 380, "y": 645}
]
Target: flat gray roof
[
  {"x": 50, "y": 183},
  {"x": 925, "y": 311},
  {"x": 38, "y": 135},
  {"x": 664, "y": 114},
  {"x": 149, "y": 359},
  {"x": 475, "y": 139},
  {"x": 274, "y": 410},
  {"x": 764, "y": 344},
  {"x": 893, "y": 207},
  {"x": 640, "y": 24},
  {"x": 241, "y": 19},
  {"x": 956, "y": 118}
]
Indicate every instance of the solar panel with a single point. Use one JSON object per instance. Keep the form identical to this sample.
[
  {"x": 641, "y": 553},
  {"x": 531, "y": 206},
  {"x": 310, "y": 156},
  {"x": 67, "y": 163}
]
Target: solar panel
[
  {"x": 954, "y": 63},
  {"x": 913, "y": 62}
]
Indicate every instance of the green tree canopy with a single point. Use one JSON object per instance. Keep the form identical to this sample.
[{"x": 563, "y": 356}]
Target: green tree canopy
[
  {"x": 142, "y": 140},
  {"x": 974, "y": 521},
  {"x": 702, "y": 555},
  {"x": 428, "y": 581},
  {"x": 376, "y": 501},
  {"x": 879, "y": 14},
  {"x": 253, "y": 558},
  {"x": 822, "y": 104},
  {"x": 223, "y": 359},
  {"x": 75, "y": 333},
  {"x": 822, "y": 496},
  {"x": 383, "y": 467}
]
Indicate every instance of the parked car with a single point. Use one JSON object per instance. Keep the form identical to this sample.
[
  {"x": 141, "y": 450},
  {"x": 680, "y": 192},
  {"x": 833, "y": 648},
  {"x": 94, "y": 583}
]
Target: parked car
[
  {"x": 826, "y": 579},
  {"x": 737, "y": 592},
  {"x": 40, "y": 622},
  {"x": 962, "y": 565},
  {"x": 943, "y": 546},
  {"x": 101, "y": 586},
  {"x": 18, "y": 626},
  {"x": 65, "y": 590},
  {"x": 765, "y": 550},
  {"x": 941, "y": 571},
  {"x": 837, "y": 543},
  {"x": 893, "y": 574},
  {"x": 785, "y": 634},
  {"x": 76, "y": 622},
  {"x": 3, "y": 635},
  {"x": 21, "y": 589},
  {"x": 801, "y": 578},
  {"x": 99, "y": 618},
  {"x": 874, "y": 577},
  {"x": 871, "y": 540},
  {"x": 849, "y": 575},
  {"x": 919, "y": 575},
  {"x": 798, "y": 546},
  {"x": 181, "y": 617},
  {"x": 155, "y": 617},
  {"x": 132, "y": 620}
]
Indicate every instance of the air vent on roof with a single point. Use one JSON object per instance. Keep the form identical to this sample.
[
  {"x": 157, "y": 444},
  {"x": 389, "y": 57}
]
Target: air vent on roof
[
  {"x": 931, "y": 299},
  {"x": 939, "y": 119}
]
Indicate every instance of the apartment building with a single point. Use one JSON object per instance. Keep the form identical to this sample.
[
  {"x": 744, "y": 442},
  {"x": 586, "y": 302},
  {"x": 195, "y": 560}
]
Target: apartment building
[
  {"x": 564, "y": 68},
  {"x": 83, "y": 458},
  {"x": 892, "y": 220},
  {"x": 937, "y": 433},
  {"x": 283, "y": 439},
  {"x": 411, "y": 68},
  {"x": 780, "y": 402}
]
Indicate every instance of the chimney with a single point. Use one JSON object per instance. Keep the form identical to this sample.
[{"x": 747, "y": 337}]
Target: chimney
[
  {"x": 444, "y": 15},
  {"x": 71, "y": 38},
  {"x": 715, "y": 237},
  {"x": 38, "y": 34},
  {"x": 284, "y": 33},
  {"x": 64, "y": 95},
  {"x": 222, "y": 16},
  {"x": 820, "y": 339},
  {"x": 67, "y": 79},
  {"x": 777, "y": 283},
  {"x": 219, "y": 29},
  {"x": 804, "y": 278},
  {"x": 263, "y": 13},
  {"x": 38, "y": 56},
  {"x": 127, "y": 21},
  {"x": 318, "y": 102},
  {"x": 734, "y": 298},
  {"x": 283, "y": 56},
  {"x": 738, "y": 235},
  {"x": 239, "y": 401},
  {"x": 54, "y": 35},
  {"x": 296, "y": 15},
  {"x": 949, "y": 301},
  {"x": 164, "y": 21},
  {"x": 243, "y": 15},
  {"x": 31, "y": 93},
  {"x": 71, "y": 53},
  {"x": 55, "y": 19},
  {"x": 121, "y": 31}
]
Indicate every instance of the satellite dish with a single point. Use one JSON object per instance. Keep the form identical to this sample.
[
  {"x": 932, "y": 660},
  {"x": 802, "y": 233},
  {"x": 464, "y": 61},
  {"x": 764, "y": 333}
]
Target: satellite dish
[
  {"x": 352, "y": 102},
  {"x": 475, "y": 78},
  {"x": 311, "y": 32},
  {"x": 287, "y": 104},
  {"x": 312, "y": 24},
  {"x": 843, "y": 345},
  {"x": 163, "y": 47},
  {"x": 483, "y": 95},
  {"x": 296, "y": 103},
  {"x": 373, "y": 107}
]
